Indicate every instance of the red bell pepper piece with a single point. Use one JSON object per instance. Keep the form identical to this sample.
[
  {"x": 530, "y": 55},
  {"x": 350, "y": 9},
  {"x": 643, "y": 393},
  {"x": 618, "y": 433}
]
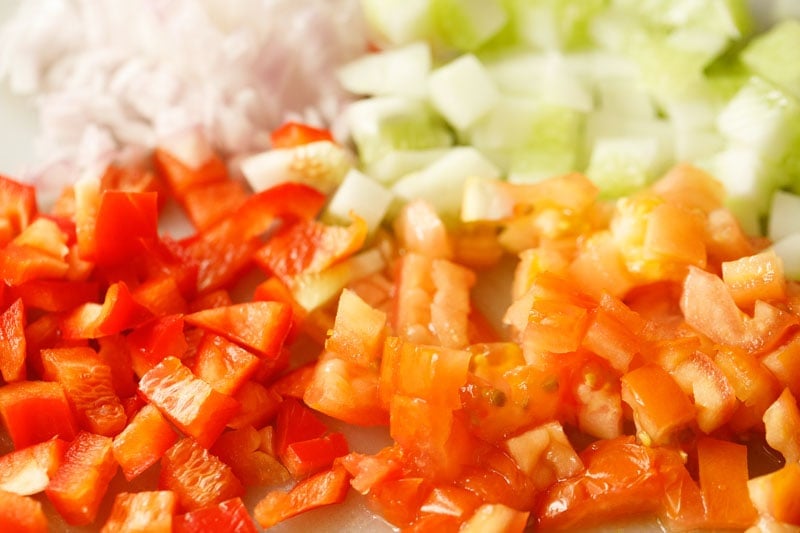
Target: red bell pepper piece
[
  {"x": 187, "y": 401},
  {"x": 21, "y": 514},
  {"x": 13, "y": 350},
  {"x": 208, "y": 204},
  {"x": 182, "y": 177},
  {"x": 81, "y": 482},
  {"x": 21, "y": 263},
  {"x": 56, "y": 295},
  {"x": 223, "y": 364},
  {"x": 326, "y": 488},
  {"x": 28, "y": 471},
  {"x": 118, "y": 312},
  {"x": 113, "y": 351},
  {"x": 156, "y": 339},
  {"x": 161, "y": 295},
  {"x": 258, "y": 405},
  {"x": 291, "y": 134},
  {"x": 246, "y": 451},
  {"x": 143, "y": 441},
  {"x": 230, "y": 516},
  {"x": 294, "y": 423},
  {"x": 123, "y": 220},
  {"x": 35, "y": 411},
  {"x": 17, "y": 203},
  {"x": 295, "y": 383},
  {"x": 258, "y": 326},
  {"x": 197, "y": 477},
  {"x": 89, "y": 387},
  {"x": 134, "y": 512},
  {"x": 308, "y": 457}
]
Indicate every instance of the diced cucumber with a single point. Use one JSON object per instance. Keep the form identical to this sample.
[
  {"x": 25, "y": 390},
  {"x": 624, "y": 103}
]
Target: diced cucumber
[
  {"x": 442, "y": 182},
  {"x": 467, "y": 24},
  {"x": 619, "y": 166},
  {"x": 788, "y": 249},
  {"x": 773, "y": 55},
  {"x": 397, "y": 72},
  {"x": 761, "y": 117},
  {"x": 320, "y": 164},
  {"x": 486, "y": 199},
  {"x": 398, "y": 21},
  {"x": 783, "y": 215},
  {"x": 398, "y": 163},
  {"x": 729, "y": 18},
  {"x": 382, "y": 125},
  {"x": 555, "y": 24},
  {"x": 362, "y": 195},
  {"x": 462, "y": 91}
]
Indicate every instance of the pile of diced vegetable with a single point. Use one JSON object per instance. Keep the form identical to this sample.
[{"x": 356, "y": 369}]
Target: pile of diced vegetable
[{"x": 552, "y": 253}]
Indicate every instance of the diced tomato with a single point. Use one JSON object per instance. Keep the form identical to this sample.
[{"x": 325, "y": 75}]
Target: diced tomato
[
  {"x": 722, "y": 470},
  {"x": 775, "y": 494},
  {"x": 399, "y": 500},
  {"x": 295, "y": 383},
  {"x": 258, "y": 326},
  {"x": 230, "y": 516},
  {"x": 80, "y": 483},
  {"x": 622, "y": 479},
  {"x": 545, "y": 454},
  {"x": 197, "y": 477},
  {"x": 144, "y": 440},
  {"x": 755, "y": 277},
  {"x": 661, "y": 410},
  {"x": 291, "y": 134},
  {"x": 344, "y": 390},
  {"x": 325, "y": 488},
  {"x": 371, "y": 470},
  {"x": 450, "y": 500},
  {"x": 243, "y": 450},
  {"x": 28, "y": 470},
  {"x": 137, "y": 511},
  {"x": 187, "y": 401},
  {"x": 13, "y": 346},
  {"x": 35, "y": 411},
  {"x": 21, "y": 514},
  {"x": 714, "y": 397},
  {"x": 496, "y": 517},
  {"x": 782, "y": 426},
  {"x": 358, "y": 331}
]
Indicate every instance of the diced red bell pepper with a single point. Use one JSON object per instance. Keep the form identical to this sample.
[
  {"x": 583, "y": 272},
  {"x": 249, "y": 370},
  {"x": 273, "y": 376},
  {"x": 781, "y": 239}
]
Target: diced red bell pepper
[
  {"x": 89, "y": 387},
  {"x": 308, "y": 457},
  {"x": 291, "y": 134},
  {"x": 28, "y": 471},
  {"x": 326, "y": 488},
  {"x": 230, "y": 516},
  {"x": 161, "y": 295},
  {"x": 224, "y": 365},
  {"x": 13, "y": 346},
  {"x": 244, "y": 450},
  {"x": 21, "y": 263},
  {"x": 399, "y": 500},
  {"x": 294, "y": 383},
  {"x": 156, "y": 339},
  {"x": 208, "y": 204},
  {"x": 258, "y": 326},
  {"x": 295, "y": 422},
  {"x": 118, "y": 312},
  {"x": 21, "y": 514},
  {"x": 258, "y": 405},
  {"x": 134, "y": 512},
  {"x": 143, "y": 441},
  {"x": 197, "y": 477},
  {"x": 56, "y": 295},
  {"x": 113, "y": 351},
  {"x": 35, "y": 411},
  {"x": 123, "y": 220},
  {"x": 181, "y": 176},
  {"x": 80, "y": 483},
  {"x": 187, "y": 401},
  {"x": 17, "y": 203}
]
